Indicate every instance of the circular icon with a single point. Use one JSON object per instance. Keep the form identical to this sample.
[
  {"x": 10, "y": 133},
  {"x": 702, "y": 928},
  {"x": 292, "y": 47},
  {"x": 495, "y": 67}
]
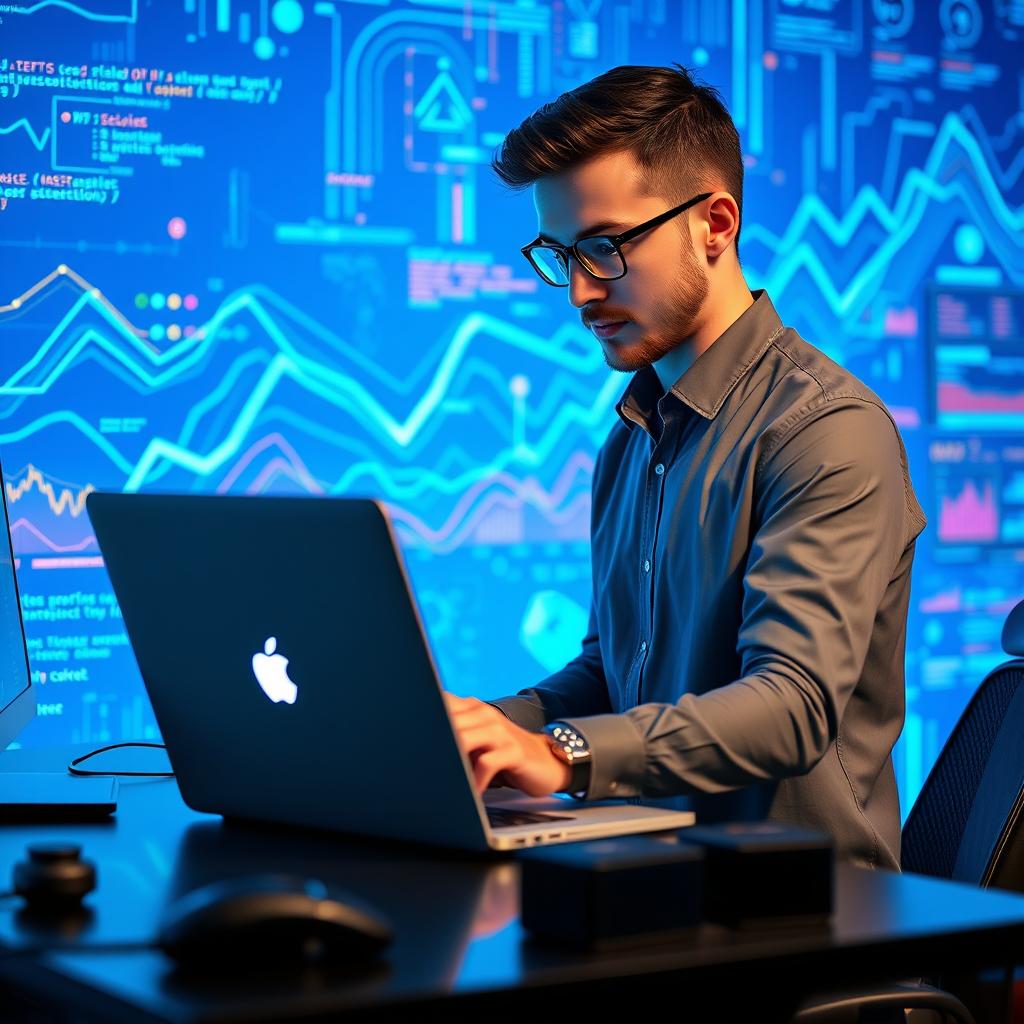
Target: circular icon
[
  {"x": 969, "y": 244},
  {"x": 961, "y": 21},
  {"x": 287, "y": 16},
  {"x": 894, "y": 17}
]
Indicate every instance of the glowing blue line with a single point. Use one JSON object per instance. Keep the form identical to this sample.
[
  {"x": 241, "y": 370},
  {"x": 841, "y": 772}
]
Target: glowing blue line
[
  {"x": 79, "y": 424},
  {"x": 808, "y": 143},
  {"x": 332, "y": 111},
  {"x": 1008, "y": 178},
  {"x": 130, "y": 19},
  {"x": 901, "y": 126},
  {"x": 850, "y": 122},
  {"x": 989, "y": 277},
  {"x": 39, "y": 141},
  {"x": 341, "y": 391},
  {"x": 756, "y": 80},
  {"x": 900, "y": 222},
  {"x": 739, "y": 62},
  {"x": 828, "y": 109}
]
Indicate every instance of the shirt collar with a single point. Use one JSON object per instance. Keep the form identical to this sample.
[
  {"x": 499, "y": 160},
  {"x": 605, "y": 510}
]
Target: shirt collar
[{"x": 708, "y": 382}]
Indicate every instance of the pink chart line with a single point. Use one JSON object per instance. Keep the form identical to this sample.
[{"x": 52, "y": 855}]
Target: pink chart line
[
  {"x": 303, "y": 474},
  {"x": 25, "y": 524}
]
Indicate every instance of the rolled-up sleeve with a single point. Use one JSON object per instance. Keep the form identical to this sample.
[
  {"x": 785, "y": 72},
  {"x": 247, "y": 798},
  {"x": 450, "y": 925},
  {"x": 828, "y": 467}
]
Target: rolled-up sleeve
[{"x": 832, "y": 522}]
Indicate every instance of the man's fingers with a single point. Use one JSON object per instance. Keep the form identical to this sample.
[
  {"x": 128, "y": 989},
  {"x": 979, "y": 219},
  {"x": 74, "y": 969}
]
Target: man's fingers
[
  {"x": 483, "y": 737},
  {"x": 473, "y": 719},
  {"x": 468, "y": 712},
  {"x": 487, "y": 765}
]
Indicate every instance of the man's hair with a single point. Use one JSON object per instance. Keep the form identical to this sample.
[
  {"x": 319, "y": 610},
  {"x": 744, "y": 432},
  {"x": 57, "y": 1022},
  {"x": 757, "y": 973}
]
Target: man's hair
[{"x": 679, "y": 133}]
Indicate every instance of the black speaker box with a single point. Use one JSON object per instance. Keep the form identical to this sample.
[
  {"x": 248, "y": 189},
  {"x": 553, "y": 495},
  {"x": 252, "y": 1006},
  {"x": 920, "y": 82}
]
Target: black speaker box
[
  {"x": 608, "y": 893},
  {"x": 764, "y": 873}
]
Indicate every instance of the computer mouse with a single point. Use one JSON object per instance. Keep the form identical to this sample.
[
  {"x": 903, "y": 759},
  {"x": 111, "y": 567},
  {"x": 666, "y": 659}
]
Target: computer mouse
[{"x": 270, "y": 919}]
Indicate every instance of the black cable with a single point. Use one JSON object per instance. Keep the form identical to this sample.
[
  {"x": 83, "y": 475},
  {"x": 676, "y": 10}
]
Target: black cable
[{"x": 114, "y": 746}]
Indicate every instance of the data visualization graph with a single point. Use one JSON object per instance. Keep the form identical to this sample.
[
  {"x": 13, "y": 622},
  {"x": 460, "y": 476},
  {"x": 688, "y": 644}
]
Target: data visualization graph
[
  {"x": 978, "y": 348},
  {"x": 255, "y": 247}
]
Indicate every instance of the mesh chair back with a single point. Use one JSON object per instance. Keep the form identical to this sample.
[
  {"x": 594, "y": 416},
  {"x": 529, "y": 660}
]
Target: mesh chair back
[{"x": 965, "y": 822}]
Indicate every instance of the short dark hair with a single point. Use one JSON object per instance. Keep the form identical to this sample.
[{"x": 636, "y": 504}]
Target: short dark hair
[{"x": 679, "y": 133}]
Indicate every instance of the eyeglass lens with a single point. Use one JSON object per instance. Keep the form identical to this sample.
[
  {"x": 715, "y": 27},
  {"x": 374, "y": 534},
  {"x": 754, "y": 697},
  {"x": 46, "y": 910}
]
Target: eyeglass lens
[{"x": 597, "y": 254}]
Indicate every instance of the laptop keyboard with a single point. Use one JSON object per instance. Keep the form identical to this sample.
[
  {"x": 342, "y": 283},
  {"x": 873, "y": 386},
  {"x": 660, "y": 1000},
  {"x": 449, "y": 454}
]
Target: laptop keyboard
[{"x": 501, "y": 817}]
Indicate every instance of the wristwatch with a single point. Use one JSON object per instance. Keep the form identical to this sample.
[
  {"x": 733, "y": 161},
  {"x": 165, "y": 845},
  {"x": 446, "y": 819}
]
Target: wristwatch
[{"x": 572, "y": 749}]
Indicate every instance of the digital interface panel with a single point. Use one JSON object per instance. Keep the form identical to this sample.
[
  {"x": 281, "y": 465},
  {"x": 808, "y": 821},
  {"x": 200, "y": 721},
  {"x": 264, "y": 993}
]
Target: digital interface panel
[{"x": 255, "y": 247}]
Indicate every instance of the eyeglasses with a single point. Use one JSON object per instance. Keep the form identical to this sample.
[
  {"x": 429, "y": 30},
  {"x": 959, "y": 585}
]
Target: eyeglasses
[{"x": 599, "y": 255}]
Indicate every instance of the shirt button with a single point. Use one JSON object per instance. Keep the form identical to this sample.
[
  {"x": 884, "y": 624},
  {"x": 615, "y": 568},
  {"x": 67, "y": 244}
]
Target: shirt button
[
  {"x": 643, "y": 645},
  {"x": 659, "y": 468},
  {"x": 647, "y": 565}
]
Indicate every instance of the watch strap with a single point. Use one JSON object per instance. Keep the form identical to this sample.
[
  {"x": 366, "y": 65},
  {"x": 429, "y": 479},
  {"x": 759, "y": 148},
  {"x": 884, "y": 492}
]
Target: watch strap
[{"x": 579, "y": 780}]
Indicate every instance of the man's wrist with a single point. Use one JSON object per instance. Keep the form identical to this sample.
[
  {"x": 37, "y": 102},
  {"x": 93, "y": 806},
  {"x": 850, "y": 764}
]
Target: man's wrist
[{"x": 571, "y": 749}]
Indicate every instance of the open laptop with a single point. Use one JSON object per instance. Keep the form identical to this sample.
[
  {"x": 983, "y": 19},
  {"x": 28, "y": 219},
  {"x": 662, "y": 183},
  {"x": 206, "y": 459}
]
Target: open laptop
[{"x": 291, "y": 679}]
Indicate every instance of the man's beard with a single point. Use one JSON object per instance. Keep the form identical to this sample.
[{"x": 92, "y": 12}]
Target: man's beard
[{"x": 676, "y": 319}]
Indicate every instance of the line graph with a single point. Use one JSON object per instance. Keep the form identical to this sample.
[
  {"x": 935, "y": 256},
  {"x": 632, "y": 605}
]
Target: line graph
[
  {"x": 38, "y": 139},
  {"x": 129, "y": 17},
  {"x": 63, "y": 498},
  {"x": 919, "y": 188}
]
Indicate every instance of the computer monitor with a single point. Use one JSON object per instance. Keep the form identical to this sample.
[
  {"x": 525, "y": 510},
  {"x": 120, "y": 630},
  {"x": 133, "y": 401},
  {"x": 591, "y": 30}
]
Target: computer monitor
[{"x": 17, "y": 696}]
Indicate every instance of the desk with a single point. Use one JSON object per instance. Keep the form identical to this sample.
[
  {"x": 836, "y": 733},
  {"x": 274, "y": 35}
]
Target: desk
[{"x": 460, "y": 949}]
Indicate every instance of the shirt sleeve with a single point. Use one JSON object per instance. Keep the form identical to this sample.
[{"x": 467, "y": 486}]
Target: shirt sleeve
[
  {"x": 832, "y": 508},
  {"x": 578, "y": 689}
]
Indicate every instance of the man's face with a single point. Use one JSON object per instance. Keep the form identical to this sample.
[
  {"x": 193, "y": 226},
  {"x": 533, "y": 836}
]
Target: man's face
[{"x": 661, "y": 296}]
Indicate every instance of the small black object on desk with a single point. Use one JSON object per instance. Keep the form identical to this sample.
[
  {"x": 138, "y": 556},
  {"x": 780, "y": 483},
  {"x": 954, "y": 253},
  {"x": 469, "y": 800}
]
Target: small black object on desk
[
  {"x": 54, "y": 877},
  {"x": 611, "y": 892},
  {"x": 764, "y": 873}
]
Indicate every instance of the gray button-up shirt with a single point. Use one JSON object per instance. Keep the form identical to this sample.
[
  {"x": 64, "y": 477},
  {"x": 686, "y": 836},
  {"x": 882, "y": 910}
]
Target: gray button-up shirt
[{"x": 752, "y": 536}]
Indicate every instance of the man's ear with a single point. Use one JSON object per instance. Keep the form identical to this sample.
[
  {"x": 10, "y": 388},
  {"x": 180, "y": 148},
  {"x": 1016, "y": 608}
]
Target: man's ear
[{"x": 722, "y": 221}]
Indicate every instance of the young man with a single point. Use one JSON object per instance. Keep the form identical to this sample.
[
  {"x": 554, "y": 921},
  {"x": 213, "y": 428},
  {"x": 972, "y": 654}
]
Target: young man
[{"x": 753, "y": 521}]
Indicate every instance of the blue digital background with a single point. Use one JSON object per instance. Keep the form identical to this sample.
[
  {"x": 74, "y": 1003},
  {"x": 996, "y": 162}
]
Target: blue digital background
[{"x": 254, "y": 246}]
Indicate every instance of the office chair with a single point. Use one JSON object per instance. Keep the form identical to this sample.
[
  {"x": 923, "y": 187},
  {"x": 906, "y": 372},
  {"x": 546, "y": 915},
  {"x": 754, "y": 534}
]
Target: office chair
[{"x": 966, "y": 824}]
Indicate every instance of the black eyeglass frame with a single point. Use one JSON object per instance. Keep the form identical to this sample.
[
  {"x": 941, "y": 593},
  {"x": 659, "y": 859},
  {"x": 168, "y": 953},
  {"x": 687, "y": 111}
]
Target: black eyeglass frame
[{"x": 615, "y": 240}]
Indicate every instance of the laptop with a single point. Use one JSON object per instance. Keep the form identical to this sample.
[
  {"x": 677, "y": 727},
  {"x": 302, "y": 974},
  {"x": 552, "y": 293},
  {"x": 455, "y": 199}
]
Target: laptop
[{"x": 291, "y": 678}]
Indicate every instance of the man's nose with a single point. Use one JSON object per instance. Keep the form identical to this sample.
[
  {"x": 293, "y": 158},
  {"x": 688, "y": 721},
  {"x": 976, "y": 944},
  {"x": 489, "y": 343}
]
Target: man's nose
[{"x": 584, "y": 288}]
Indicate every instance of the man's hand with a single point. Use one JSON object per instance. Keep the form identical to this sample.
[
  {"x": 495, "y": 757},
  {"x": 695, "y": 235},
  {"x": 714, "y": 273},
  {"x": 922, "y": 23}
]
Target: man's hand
[{"x": 497, "y": 746}]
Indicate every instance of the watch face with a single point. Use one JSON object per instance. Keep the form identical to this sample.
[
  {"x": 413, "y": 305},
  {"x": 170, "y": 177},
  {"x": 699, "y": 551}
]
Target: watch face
[
  {"x": 567, "y": 744},
  {"x": 559, "y": 750}
]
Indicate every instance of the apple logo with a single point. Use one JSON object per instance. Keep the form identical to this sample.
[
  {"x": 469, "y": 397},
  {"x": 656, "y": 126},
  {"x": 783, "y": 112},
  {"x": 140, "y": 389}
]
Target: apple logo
[{"x": 271, "y": 671}]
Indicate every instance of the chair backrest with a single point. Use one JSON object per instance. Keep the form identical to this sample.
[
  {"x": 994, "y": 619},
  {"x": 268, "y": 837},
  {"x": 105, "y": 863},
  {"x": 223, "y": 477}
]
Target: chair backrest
[{"x": 967, "y": 823}]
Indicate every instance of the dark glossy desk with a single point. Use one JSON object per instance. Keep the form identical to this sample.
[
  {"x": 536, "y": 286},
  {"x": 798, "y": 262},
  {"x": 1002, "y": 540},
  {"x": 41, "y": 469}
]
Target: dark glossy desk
[{"x": 460, "y": 949}]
